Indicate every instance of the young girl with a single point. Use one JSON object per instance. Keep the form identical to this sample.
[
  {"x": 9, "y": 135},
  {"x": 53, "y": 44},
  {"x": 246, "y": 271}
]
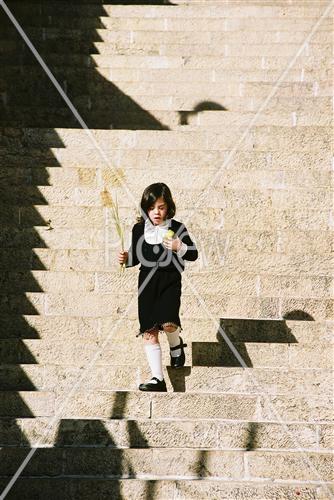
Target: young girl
[{"x": 159, "y": 281}]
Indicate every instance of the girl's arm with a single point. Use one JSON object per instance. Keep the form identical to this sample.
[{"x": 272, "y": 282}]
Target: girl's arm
[{"x": 188, "y": 252}]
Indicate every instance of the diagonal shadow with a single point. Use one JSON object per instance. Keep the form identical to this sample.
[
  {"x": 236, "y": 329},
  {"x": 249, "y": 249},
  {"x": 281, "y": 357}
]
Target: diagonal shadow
[
  {"x": 240, "y": 332},
  {"x": 66, "y": 40},
  {"x": 28, "y": 99}
]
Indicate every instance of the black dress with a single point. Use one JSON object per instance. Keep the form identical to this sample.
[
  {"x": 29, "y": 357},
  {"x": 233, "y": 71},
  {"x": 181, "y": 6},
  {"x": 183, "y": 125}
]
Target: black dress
[{"x": 159, "y": 280}]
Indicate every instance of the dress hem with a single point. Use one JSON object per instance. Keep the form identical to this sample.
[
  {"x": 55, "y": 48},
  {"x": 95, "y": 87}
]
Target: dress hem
[{"x": 159, "y": 326}]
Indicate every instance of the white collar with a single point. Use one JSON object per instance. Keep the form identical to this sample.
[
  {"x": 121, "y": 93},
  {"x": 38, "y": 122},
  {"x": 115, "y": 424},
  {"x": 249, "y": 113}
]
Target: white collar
[{"x": 154, "y": 233}]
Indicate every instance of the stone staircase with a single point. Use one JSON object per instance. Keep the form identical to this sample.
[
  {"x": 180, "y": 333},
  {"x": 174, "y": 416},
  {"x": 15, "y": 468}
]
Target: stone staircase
[{"x": 170, "y": 93}]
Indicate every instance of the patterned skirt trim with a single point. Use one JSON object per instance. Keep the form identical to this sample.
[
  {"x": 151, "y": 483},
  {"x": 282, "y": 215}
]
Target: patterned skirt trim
[{"x": 157, "y": 325}]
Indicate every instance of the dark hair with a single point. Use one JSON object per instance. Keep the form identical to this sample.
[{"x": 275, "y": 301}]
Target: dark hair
[{"x": 151, "y": 194}]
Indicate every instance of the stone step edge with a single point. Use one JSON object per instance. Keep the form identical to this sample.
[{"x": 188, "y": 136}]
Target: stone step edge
[
  {"x": 290, "y": 486},
  {"x": 152, "y": 38},
  {"x": 156, "y": 419},
  {"x": 74, "y": 317},
  {"x": 271, "y": 451},
  {"x": 114, "y": 273},
  {"x": 249, "y": 482},
  {"x": 45, "y": 133},
  {"x": 151, "y": 395},
  {"x": 282, "y": 369},
  {"x": 162, "y": 13}
]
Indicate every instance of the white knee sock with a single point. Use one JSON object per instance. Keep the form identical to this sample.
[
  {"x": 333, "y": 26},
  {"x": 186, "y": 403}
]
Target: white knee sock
[
  {"x": 154, "y": 358},
  {"x": 174, "y": 340}
]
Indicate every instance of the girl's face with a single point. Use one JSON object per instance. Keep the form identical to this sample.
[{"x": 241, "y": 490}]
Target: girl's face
[{"x": 158, "y": 211}]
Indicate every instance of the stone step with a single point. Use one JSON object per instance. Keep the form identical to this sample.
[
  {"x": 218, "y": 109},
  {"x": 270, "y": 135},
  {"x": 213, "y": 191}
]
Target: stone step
[
  {"x": 219, "y": 219},
  {"x": 136, "y": 35},
  {"x": 246, "y": 175},
  {"x": 233, "y": 305},
  {"x": 170, "y": 406},
  {"x": 303, "y": 264},
  {"x": 270, "y": 22},
  {"x": 205, "y": 354},
  {"x": 72, "y": 488},
  {"x": 47, "y": 161},
  {"x": 159, "y": 433},
  {"x": 247, "y": 63},
  {"x": 79, "y": 92},
  {"x": 169, "y": 463},
  {"x": 303, "y": 139},
  {"x": 198, "y": 11},
  {"x": 285, "y": 331},
  {"x": 119, "y": 75},
  {"x": 221, "y": 282},
  {"x": 274, "y": 197},
  {"x": 273, "y": 381},
  {"x": 212, "y": 46},
  {"x": 174, "y": 120},
  {"x": 227, "y": 118},
  {"x": 110, "y": 116},
  {"x": 26, "y": 404}
]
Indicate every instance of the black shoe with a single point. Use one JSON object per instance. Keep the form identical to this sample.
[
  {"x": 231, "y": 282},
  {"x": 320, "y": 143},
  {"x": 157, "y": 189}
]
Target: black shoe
[
  {"x": 178, "y": 361},
  {"x": 160, "y": 386}
]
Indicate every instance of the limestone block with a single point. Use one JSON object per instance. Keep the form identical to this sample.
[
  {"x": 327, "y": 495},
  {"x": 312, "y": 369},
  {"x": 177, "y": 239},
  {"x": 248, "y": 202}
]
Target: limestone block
[
  {"x": 305, "y": 287},
  {"x": 46, "y": 281},
  {"x": 287, "y": 49},
  {"x": 292, "y": 25},
  {"x": 253, "y": 436},
  {"x": 89, "y": 305},
  {"x": 57, "y": 238},
  {"x": 25, "y": 377},
  {"x": 26, "y": 404},
  {"x": 52, "y": 328},
  {"x": 107, "y": 377},
  {"x": 205, "y": 62},
  {"x": 10, "y": 432},
  {"x": 288, "y": 380},
  {"x": 278, "y": 263},
  {"x": 170, "y": 37},
  {"x": 326, "y": 436},
  {"x": 106, "y": 404},
  {"x": 267, "y": 36},
  {"x": 231, "y": 306},
  {"x": 290, "y": 466},
  {"x": 276, "y": 138},
  {"x": 307, "y": 408},
  {"x": 239, "y": 491},
  {"x": 189, "y": 434},
  {"x": 28, "y": 303},
  {"x": 318, "y": 309},
  {"x": 216, "y": 11},
  {"x": 70, "y": 177},
  {"x": 41, "y": 431},
  {"x": 320, "y": 198},
  {"x": 133, "y": 23},
  {"x": 69, "y": 260},
  {"x": 45, "y": 352},
  {"x": 302, "y": 242},
  {"x": 211, "y": 406},
  {"x": 316, "y": 357},
  {"x": 44, "y": 462},
  {"x": 199, "y": 463},
  {"x": 61, "y": 216},
  {"x": 136, "y": 489}
]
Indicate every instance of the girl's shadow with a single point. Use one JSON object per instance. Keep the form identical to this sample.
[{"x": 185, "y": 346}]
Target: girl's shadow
[{"x": 240, "y": 332}]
